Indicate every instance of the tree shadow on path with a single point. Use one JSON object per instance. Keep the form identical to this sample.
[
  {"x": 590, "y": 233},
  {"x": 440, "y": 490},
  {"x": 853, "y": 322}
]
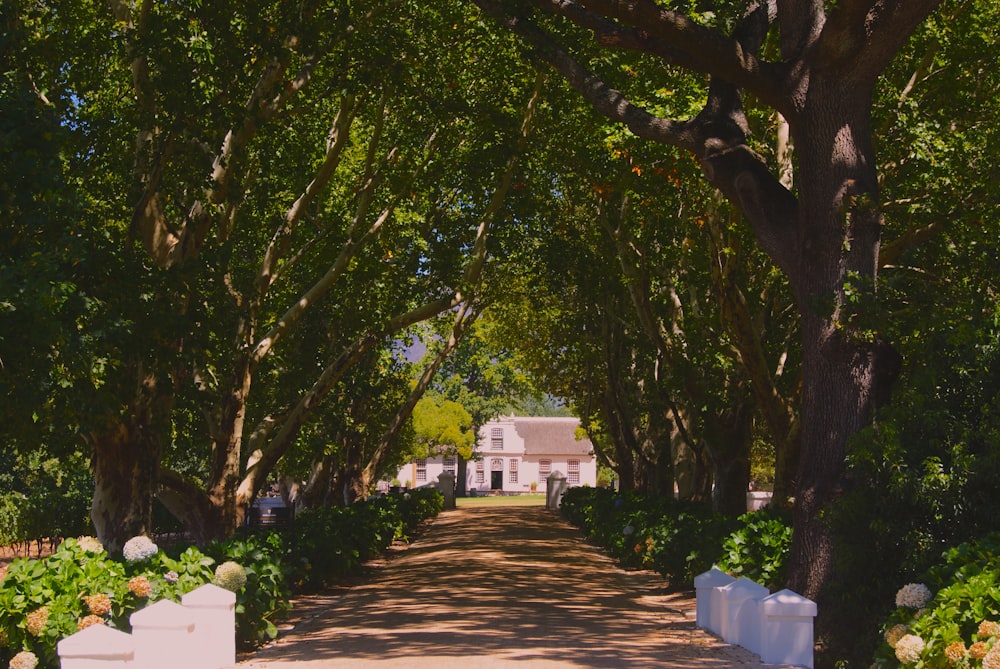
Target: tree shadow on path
[{"x": 505, "y": 587}]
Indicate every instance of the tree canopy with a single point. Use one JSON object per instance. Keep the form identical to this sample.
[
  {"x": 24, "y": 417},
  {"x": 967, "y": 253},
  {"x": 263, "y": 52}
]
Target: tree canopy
[{"x": 718, "y": 233}]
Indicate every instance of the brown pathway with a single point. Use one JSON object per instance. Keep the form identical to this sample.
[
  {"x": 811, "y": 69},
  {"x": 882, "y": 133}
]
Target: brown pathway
[{"x": 500, "y": 588}]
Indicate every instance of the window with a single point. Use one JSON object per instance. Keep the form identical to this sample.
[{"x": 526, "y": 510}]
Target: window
[
  {"x": 544, "y": 469},
  {"x": 421, "y": 470},
  {"x": 449, "y": 465},
  {"x": 513, "y": 470},
  {"x": 496, "y": 439},
  {"x": 573, "y": 473},
  {"x": 480, "y": 472}
]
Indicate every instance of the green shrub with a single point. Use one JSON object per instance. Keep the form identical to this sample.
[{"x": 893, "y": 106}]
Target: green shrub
[
  {"x": 266, "y": 595},
  {"x": 758, "y": 548},
  {"x": 677, "y": 539}
]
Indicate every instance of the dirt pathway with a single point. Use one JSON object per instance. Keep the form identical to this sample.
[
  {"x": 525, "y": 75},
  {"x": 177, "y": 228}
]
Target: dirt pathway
[{"x": 498, "y": 589}]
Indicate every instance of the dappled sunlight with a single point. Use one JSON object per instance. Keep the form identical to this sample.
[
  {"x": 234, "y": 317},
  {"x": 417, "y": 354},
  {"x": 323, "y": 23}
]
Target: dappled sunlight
[{"x": 495, "y": 588}]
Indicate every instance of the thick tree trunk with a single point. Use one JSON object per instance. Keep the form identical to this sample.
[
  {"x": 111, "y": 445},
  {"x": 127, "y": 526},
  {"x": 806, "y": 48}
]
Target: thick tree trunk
[
  {"x": 728, "y": 439},
  {"x": 124, "y": 461},
  {"x": 846, "y": 370}
]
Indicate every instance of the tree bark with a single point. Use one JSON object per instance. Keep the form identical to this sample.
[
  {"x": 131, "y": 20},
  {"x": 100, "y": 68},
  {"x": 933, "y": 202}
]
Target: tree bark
[{"x": 125, "y": 460}]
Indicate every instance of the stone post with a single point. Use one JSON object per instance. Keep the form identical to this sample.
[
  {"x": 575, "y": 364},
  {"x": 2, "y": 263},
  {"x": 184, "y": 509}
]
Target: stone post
[{"x": 214, "y": 612}]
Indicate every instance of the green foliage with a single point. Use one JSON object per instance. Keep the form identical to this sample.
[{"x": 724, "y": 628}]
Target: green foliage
[
  {"x": 442, "y": 427},
  {"x": 265, "y": 597},
  {"x": 44, "y": 498},
  {"x": 330, "y": 543},
  {"x": 758, "y": 548},
  {"x": 679, "y": 540}
]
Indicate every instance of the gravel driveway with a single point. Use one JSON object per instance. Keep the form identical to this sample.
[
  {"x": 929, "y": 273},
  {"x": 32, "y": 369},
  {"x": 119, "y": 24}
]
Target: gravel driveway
[{"x": 499, "y": 588}]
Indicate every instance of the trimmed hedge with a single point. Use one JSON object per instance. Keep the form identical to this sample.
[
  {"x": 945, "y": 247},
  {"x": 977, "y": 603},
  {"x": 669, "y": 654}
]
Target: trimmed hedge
[{"x": 677, "y": 539}]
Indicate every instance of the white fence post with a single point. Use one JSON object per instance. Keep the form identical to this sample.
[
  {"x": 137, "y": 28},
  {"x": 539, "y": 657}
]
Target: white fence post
[
  {"x": 213, "y": 610},
  {"x": 96, "y": 647},
  {"x": 740, "y": 594},
  {"x": 786, "y": 629},
  {"x": 164, "y": 636},
  {"x": 708, "y": 613},
  {"x": 446, "y": 485},
  {"x": 555, "y": 486}
]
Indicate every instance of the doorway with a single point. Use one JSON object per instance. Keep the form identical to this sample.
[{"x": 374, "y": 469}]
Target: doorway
[{"x": 496, "y": 480}]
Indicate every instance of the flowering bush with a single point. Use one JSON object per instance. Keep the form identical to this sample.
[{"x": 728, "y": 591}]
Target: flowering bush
[
  {"x": 45, "y": 600},
  {"x": 957, "y": 624}
]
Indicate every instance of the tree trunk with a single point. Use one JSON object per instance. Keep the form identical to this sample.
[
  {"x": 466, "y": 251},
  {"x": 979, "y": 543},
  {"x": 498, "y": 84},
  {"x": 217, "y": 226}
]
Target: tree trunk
[
  {"x": 728, "y": 439},
  {"x": 846, "y": 370},
  {"x": 124, "y": 461}
]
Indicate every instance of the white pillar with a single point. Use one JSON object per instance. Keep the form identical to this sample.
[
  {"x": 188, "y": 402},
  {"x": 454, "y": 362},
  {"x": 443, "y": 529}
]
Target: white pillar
[
  {"x": 446, "y": 484},
  {"x": 214, "y": 612},
  {"x": 786, "y": 629},
  {"x": 555, "y": 486},
  {"x": 96, "y": 647},
  {"x": 708, "y": 616},
  {"x": 164, "y": 636},
  {"x": 739, "y": 594}
]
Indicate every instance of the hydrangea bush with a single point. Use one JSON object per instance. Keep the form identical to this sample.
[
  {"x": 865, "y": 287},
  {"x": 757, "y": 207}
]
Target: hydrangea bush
[
  {"x": 953, "y": 620},
  {"x": 680, "y": 540},
  {"x": 45, "y": 600}
]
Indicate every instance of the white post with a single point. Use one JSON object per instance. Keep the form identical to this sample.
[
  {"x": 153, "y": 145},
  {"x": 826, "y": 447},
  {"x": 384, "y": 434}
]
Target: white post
[
  {"x": 786, "y": 629},
  {"x": 214, "y": 612},
  {"x": 707, "y": 616},
  {"x": 555, "y": 486},
  {"x": 96, "y": 647},
  {"x": 446, "y": 484},
  {"x": 735, "y": 596},
  {"x": 164, "y": 636},
  {"x": 757, "y": 500}
]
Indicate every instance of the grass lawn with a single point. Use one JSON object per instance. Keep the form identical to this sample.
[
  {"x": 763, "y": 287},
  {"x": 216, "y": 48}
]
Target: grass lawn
[{"x": 537, "y": 499}]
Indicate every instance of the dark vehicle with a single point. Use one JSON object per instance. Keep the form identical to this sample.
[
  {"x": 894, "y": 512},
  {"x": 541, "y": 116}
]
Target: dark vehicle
[{"x": 269, "y": 512}]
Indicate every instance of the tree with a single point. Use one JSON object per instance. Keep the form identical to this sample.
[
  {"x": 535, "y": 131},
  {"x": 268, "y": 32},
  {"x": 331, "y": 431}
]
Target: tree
[
  {"x": 245, "y": 165},
  {"x": 819, "y": 71},
  {"x": 442, "y": 428}
]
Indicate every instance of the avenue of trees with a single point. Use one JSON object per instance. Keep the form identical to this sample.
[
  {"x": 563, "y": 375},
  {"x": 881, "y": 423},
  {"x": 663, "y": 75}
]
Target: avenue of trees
[{"x": 742, "y": 242}]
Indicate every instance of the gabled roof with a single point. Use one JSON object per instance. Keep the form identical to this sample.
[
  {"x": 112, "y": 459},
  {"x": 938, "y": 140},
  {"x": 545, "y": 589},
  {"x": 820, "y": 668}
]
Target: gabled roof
[{"x": 552, "y": 436}]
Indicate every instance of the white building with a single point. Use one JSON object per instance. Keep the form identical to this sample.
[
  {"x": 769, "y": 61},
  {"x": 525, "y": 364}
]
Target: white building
[{"x": 515, "y": 455}]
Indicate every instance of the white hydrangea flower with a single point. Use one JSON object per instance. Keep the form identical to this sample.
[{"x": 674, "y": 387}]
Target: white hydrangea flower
[
  {"x": 139, "y": 548},
  {"x": 23, "y": 660},
  {"x": 908, "y": 649},
  {"x": 913, "y": 596},
  {"x": 231, "y": 576},
  {"x": 90, "y": 544}
]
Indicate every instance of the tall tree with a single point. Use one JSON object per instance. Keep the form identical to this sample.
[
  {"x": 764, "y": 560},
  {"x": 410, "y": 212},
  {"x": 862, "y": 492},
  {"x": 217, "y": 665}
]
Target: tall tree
[{"x": 819, "y": 71}]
